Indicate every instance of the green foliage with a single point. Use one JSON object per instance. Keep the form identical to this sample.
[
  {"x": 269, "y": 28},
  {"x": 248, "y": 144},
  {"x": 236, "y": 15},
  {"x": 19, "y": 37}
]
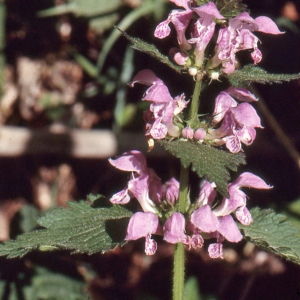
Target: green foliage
[
  {"x": 80, "y": 228},
  {"x": 227, "y": 8},
  {"x": 83, "y": 8},
  {"x": 191, "y": 289},
  {"x": 273, "y": 233},
  {"x": 151, "y": 50},
  {"x": 28, "y": 218},
  {"x": 56, "y": 286},
  {"x": 206, "y": 161},
  {"x": 230, "y": 8},
  {"x": 250, "y": 74}
]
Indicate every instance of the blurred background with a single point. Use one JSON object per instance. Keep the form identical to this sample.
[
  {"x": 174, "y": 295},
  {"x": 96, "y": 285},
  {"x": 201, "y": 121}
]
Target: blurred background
[{"x": 65, "y": 108}]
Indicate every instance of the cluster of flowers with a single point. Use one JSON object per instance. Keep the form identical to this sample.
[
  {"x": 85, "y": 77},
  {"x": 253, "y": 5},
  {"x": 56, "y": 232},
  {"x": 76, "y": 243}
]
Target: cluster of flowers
[
  {"x": 204, "y": 220},
  {"x": 232, "y": 123},
  {"x": 232, "y": 37}
]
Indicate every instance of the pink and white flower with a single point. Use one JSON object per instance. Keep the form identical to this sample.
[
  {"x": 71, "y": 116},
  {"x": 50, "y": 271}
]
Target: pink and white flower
[
  {"x": 159, "y": 119},
  {"x": 238, "y": 36}
]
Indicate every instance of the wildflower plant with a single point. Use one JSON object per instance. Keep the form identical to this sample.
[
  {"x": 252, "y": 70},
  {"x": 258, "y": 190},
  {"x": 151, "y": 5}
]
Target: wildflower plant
[{"x": 209, "y": 34}]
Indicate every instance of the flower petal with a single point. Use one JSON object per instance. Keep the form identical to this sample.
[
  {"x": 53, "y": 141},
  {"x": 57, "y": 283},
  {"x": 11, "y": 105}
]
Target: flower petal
[
  {"x": 228, "y": 228},
  {"x": 141, "y": 224},
  {"x": 131, "y": 161},
  {"x": 204, "y": 219},
  {"x": 174, "y": 228},
  {"x": 266, "y": 25}
]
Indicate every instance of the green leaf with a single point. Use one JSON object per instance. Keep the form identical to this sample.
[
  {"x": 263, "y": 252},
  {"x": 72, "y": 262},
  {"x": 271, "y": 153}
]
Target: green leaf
[
  {"x": 273, "y": 233},
  {"x": 206, "y": 161},
  {"x": 151, "y": 50},
  {"x": 80, "y": 228},
  {"x": 50, "y": 285},
  {"x": 230, "y": 8},
  {"x": 250, "y": 73},
  {"x": 85, "y": 8},
  {"x": 191, "y": 289}
]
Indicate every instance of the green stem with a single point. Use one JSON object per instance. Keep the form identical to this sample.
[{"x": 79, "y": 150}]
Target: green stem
[
  {"x": 178, "y": 283},
  {"x": 193, "y": 113},
  {"x": 178, "y": 279}
]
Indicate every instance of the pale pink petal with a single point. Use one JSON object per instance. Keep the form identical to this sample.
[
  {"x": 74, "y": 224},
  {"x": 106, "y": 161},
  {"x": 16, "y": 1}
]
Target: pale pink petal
[
  {"x": 208, "y": 9},
  {"x": 256, "y": 56},
  {"x": 241, "y": 94},
  {"x": 207, "y": 193},
  {"x": 139, "y": 188},
  {"x": 150, "y": 245},
  {"x": 200, "y": 134},
  {"x": 162, "y": 29},
  {"x": 121, "y": 197},
  {"x": 223, "y": 103},
  {"x": 187, "y": 132},
  {"x": 146, "y": 77},
  {"x": 266, "y": 25},
  {"x": 204, "y": 219},
  {"x": 243, "y": 215},
  {"x": 182, "y": 3},
  {"x": 249, "y": 180},
  {"x": 233, "y": 143},
  {"x": 170, "y": 191},
  {"x": 142, "y": 224},
  {"x": 174, "y": 228},
  {"x": 158, "y": 130},
  {"x": 215, "y": 250},
  {"x": 131, "y": 161},
  {"x": 229, "y": 230},
  {"x": 246, "y": 115}
]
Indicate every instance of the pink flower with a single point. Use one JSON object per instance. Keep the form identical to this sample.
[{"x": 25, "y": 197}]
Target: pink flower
[
  {"x": 143, "y": 225},
  {"x": 170, "y": 191},
  {"x": 141, "y": 185},
  {"x": 163, "y": 107},
  {"x": 238, "y": 36},
  {"x": 174, "y": 229},
  {"x": 218, "y": 221},
  {"x": 203, "y": 28},
  {"x": 181, "y": 20},
  {"x": 238, "y": 120},
  {"x": 187, "y": 132},
  {"x": 237, "y": 200}
]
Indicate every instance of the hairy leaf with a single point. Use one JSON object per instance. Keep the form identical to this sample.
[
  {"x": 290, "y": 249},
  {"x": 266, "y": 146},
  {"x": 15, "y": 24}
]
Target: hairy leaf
[
  {"x": 151, "y": 50},
  {"x": 206, "y": 161},
  {"x": 230, "y": 8},
  {"x": 80, "y": 228},
  {"x": 250, "y": 73},
  {"x": 273, "y": 233}
]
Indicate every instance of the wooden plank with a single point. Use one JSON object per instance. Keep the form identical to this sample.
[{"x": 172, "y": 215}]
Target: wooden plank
[{"x": 77, "y": 143}]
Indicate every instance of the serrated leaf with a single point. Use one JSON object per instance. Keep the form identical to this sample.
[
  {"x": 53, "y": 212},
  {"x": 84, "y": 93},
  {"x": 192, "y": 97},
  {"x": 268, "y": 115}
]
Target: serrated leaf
[
  {"x": 250, "y": 73},
  {"x": 80, "y": 228},
  {"x": 206, "y": 161},
  {"x": 272, "y": 232},
  {"x": 151, "y": 50},
  {"x": 230, "y": 8}
]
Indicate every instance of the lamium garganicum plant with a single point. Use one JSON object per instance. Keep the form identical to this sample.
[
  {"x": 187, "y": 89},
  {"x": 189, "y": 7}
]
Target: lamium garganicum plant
[{"x": 209, "y": 35}]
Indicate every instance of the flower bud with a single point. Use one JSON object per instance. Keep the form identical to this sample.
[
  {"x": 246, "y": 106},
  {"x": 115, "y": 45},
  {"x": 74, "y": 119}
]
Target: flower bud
[
  {"x": 187, "y": 133},
  {"x": 200, "y": 134}
]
